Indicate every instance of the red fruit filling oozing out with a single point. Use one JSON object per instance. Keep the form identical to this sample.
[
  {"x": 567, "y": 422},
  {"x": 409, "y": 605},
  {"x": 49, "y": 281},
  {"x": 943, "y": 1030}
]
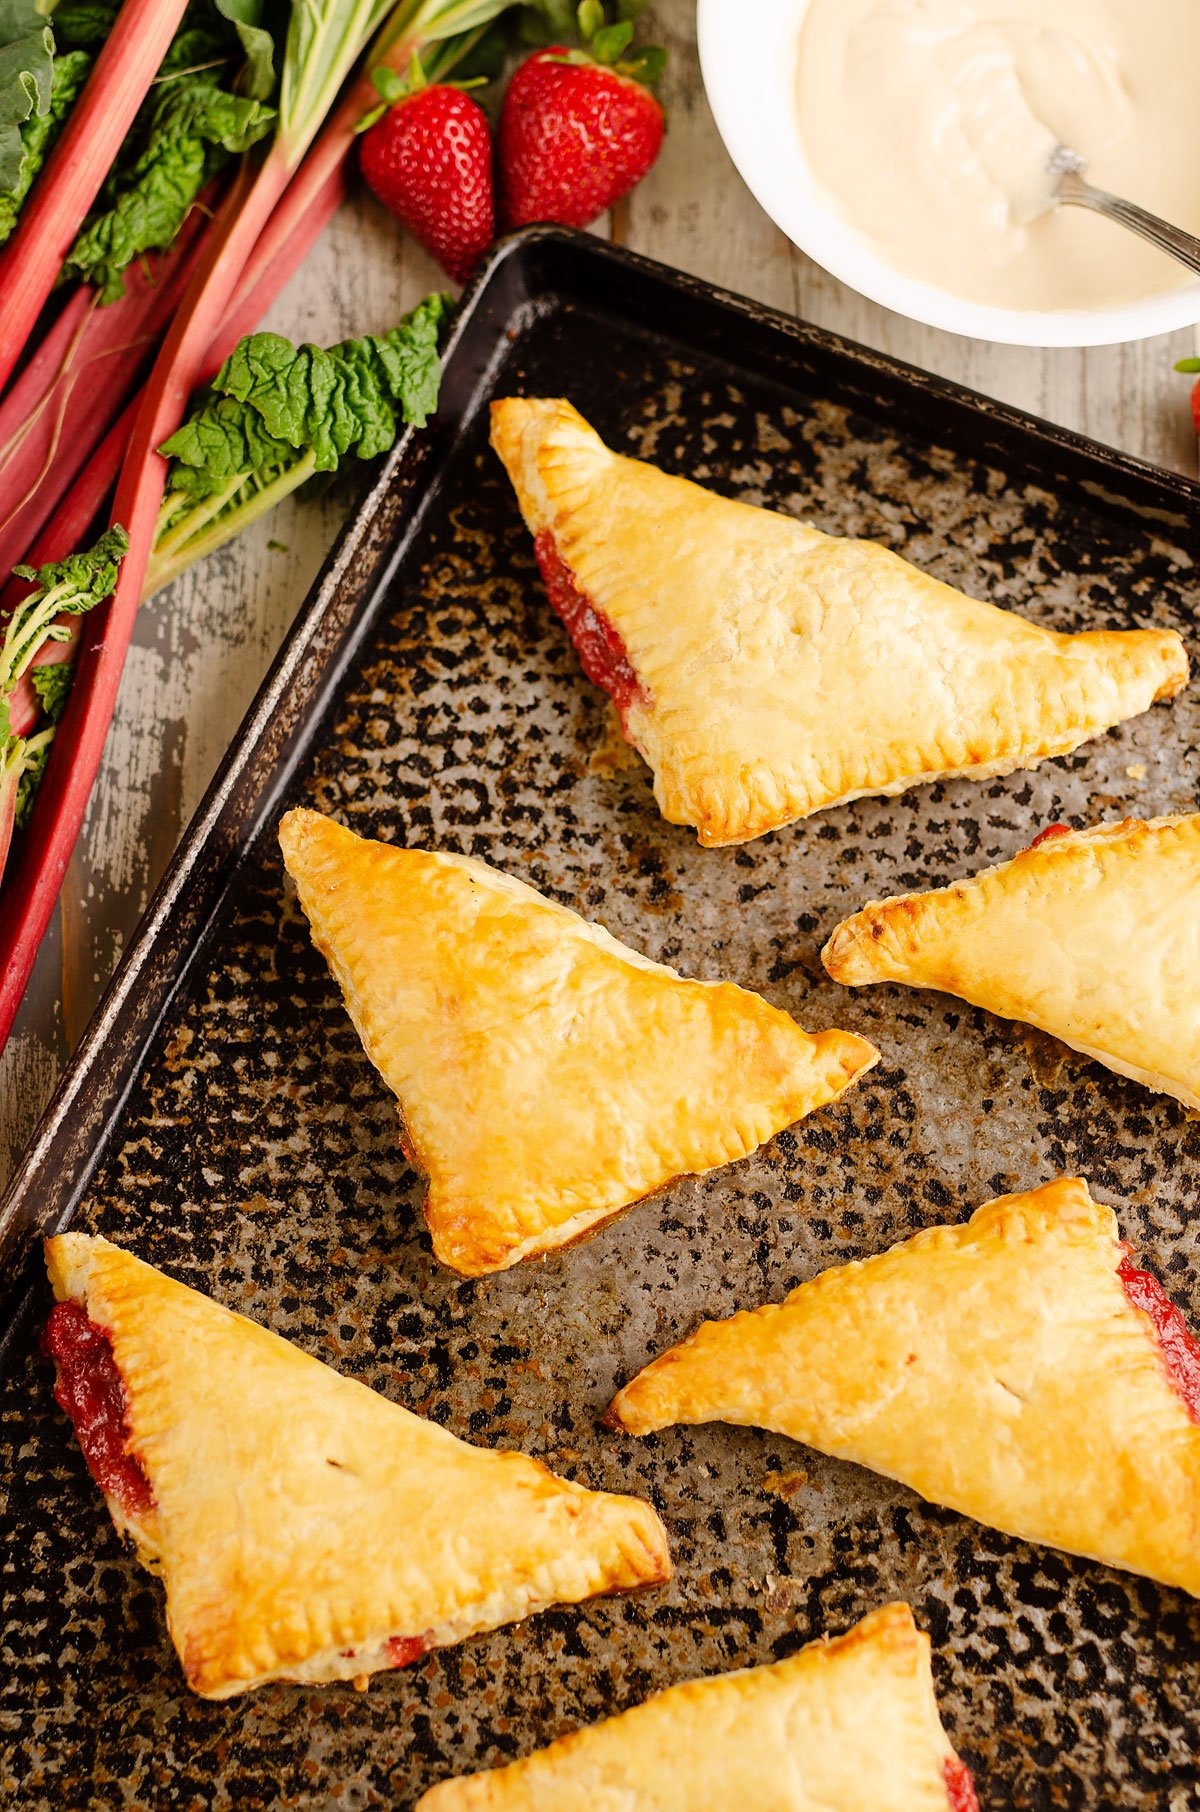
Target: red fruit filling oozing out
[
  {"x": 403, "y": 1649},
  {"x": 601, "y": 651},
  {"x": 1051, "y": 830},
  {"x": 1180, "y": 1347},
  {"x": 91, "y": 1391},
  {"x": 960, "y": 1788}
]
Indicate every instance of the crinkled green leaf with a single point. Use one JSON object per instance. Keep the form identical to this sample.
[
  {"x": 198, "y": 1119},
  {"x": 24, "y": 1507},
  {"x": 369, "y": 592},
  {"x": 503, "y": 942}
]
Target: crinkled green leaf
[
  {"x": 194, "y": 125},
  {"x": 26, "y": 79},
  {"x": 40, "y": 130},
  {"x": 85, "y": 578},
  {"x": 257, "y": 78},
  {"x": 52, "y": 683},
  {"x": 271, "y": 397},
  {"x": 221, "y": 441},
  {"x": 277, "y": 411},
  {"x": 84, "y": 23},
  {"x": 65, "y": 588},
  {"x": 32, "y": 768}
]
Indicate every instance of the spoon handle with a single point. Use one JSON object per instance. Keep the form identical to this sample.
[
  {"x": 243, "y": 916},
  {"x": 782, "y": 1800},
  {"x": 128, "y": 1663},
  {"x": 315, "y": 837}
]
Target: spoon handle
[{"x": 1171, "y": 239}]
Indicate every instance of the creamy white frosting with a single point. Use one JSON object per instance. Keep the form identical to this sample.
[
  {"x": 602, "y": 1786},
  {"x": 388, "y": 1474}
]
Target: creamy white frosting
[{"x": 930, "y": 124}]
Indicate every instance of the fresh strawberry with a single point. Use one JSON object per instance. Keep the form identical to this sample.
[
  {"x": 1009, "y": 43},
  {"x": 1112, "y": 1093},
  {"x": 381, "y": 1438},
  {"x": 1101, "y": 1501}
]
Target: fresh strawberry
[
  {"x": 1193, "y": 365},
  {"x": 429, "y": 160},
  {"x": 575, "y": 134}
]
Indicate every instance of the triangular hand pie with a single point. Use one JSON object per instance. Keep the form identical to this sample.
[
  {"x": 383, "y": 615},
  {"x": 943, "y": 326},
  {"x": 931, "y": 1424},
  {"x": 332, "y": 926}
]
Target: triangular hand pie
[
  {"x": 1092, "y": 935},
  {"x": 1017, "y": 1368},
  {"x": 304, "y": 1527},
  {"x": 850, "y": 1725},
  {"x": 765, "y": 670},
  {"x": 547, "y": 1075}
]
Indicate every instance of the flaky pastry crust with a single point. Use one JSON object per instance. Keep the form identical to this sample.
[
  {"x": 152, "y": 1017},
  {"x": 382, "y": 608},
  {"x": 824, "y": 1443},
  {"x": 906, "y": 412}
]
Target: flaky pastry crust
[
  {"x": 783, "y": 670},
  {"x": 301, "y": 1522},
  {"x": 1091, "y": 935},
  {"x": 850, "y": 1724},
  {"x": 547, "y": 1075},
  {"x": 998, "y": 1367}
]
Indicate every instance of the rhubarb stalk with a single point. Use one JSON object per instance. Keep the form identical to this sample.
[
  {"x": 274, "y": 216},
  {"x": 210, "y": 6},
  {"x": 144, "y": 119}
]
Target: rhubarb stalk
[
  {"x": 84, "y": 372},
  {"x": 242, "y": 253},
  {"x": 325, "y": 38},
  {"x": 78, "y": 165}
]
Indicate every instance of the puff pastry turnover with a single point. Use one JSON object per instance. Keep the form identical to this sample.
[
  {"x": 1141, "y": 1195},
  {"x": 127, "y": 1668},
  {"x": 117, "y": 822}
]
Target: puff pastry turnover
[
  {"x": 1093, "y": 935},
  {"x": 765, "y": 670},
  {"x": 305, "y": 1528},
  {"x": 850, "y": 1725},
  {"x": 1017, "y": 1368},
  {"x": 547, "y": 1075}
]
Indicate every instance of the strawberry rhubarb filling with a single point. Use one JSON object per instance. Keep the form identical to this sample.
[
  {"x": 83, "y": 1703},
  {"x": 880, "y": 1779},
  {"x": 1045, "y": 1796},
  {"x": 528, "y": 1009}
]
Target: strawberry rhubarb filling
[
  {"x": 602, "y": 653},
  {"x": 90, "y": 1389},
  {"x": 1179, "y": 1346},
  {"x": 398, "y": 1651},
  {"x": 960, "y": 1788},
  {"x": 1051, "y": 830}
]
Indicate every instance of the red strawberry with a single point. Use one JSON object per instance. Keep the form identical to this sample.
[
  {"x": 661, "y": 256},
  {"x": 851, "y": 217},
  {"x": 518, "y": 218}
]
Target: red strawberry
[
  {"x": 574, "y": 137},
  {"x": 429, "y": 160},
  {"x": 1193, "y": 365}
]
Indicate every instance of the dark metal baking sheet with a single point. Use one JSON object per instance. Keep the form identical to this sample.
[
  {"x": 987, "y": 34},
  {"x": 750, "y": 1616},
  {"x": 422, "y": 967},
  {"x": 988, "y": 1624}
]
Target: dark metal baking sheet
[{"x": 223, "y": 1122}]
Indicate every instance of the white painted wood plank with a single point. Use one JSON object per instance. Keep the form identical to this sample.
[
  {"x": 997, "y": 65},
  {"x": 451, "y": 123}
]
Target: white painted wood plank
[{"x": 202, "y": 647}]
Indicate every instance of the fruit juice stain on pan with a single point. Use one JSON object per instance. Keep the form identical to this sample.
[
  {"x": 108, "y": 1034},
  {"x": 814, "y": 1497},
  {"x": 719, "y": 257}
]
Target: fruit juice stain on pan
[{"x": 430, "y": 695}]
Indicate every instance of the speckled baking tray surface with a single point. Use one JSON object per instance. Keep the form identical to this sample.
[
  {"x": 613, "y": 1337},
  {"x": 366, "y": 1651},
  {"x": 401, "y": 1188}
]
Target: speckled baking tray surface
[{"x": 256, "y": 1155}]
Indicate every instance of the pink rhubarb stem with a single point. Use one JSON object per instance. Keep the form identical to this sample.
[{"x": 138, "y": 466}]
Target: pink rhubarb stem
[
  {"x": 59, "y": 409},
  {"x": 70, "y": 528},
  {"x": 72, "y": 522},
  {"x": 312, "y": 197},
  {"x": 30, "y": 894},
  {"x": 78, "y": 165}
]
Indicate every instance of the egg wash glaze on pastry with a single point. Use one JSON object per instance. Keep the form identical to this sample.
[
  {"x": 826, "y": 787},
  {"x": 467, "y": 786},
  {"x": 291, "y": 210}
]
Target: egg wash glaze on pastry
[
  {"x": 847, "y": 1724},
  {"x": 765, "y": 670},
  {"x": 547, "y": 1076},
  {"x": 304, "y": 1527},
  {"x": 1092, "y": 935},
  {"x": 930, "y": 124},
  {"x": 1020, "y": 1335}
]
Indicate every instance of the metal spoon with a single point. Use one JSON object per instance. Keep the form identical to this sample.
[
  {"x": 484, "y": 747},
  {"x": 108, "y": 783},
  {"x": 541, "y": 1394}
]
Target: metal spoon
[{"x": 1067, "y": 169}]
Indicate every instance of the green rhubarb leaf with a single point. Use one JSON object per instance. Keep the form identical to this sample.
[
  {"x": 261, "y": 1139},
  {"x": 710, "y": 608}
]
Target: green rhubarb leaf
[
  {"x": 26, "y": 81},
  {"x": 82, "y": 579},
  {"x": 39, "y": 131},
  {"x": 194, "y": 126},
  {"x": 279, "y": 417},
  {"x": 257, "y": 78},
  {"x": 84, "y": 23},
  {"x": 33, "y": 765},
  {"x": 64, "y": 588},
  {"x": 270, "y": 397},
  {"x": 222, "y": 441},
  {"x": 51, "y": 680}
]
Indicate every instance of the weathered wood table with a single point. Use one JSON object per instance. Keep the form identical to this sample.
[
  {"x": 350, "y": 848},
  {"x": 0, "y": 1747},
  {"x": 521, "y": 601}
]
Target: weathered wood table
[{"x": 202, "y": 647}]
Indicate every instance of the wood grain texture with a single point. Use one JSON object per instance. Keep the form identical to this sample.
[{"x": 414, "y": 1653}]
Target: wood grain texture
[{"x": 202, "y": 647}]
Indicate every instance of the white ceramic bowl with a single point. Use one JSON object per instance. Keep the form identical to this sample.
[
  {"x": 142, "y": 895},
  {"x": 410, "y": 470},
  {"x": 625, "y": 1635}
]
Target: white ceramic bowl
[{"x": 748, "y": 58}]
